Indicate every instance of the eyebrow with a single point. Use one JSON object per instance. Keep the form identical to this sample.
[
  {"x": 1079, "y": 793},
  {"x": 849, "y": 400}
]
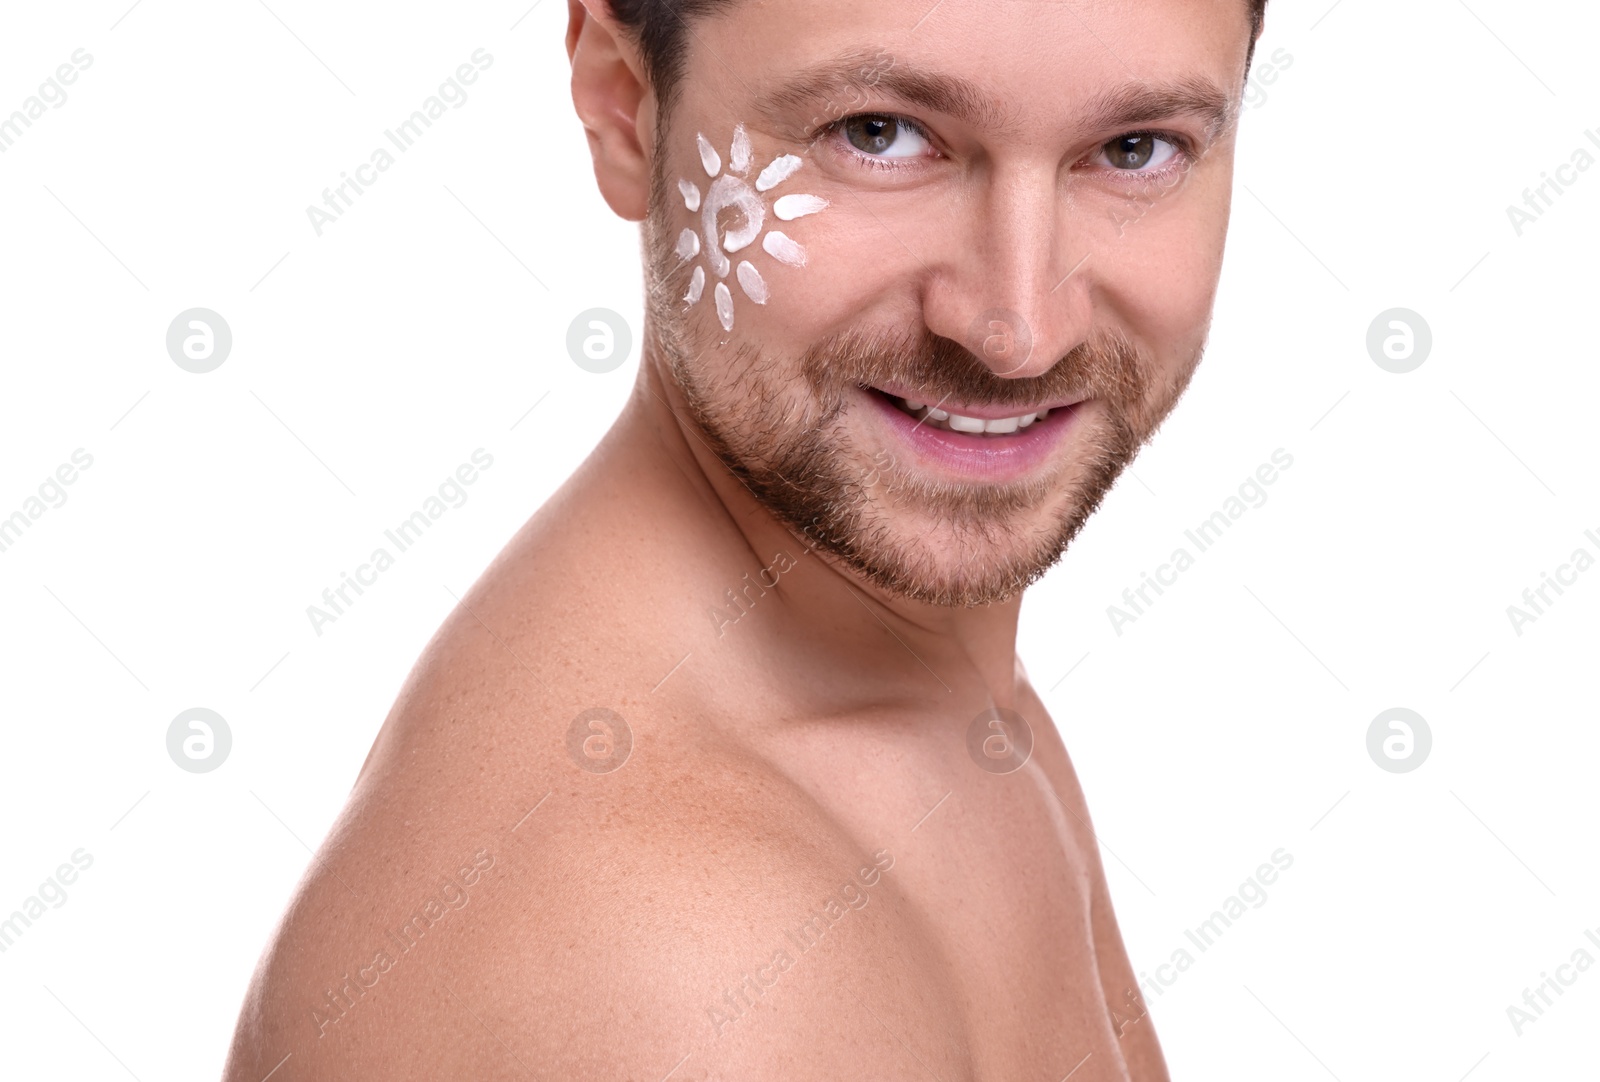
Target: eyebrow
[
  {"x": 949, "y": 94},
  {"x": 1133, "y": 104},
  {"x": 1120, "y": 107}
]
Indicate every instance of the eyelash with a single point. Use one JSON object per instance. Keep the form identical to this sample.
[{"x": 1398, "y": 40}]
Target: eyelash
[
  {"x": 1183, "y": 158},
  {"x": 870, "y": 161}
]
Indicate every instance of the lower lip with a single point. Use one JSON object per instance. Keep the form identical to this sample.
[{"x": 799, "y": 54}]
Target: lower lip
[{"x": 988, "y": 459}]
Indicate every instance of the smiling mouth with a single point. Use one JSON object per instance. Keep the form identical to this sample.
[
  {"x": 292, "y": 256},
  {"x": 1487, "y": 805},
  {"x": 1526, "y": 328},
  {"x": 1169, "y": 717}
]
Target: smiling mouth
[{"x": 934, "y": 417}]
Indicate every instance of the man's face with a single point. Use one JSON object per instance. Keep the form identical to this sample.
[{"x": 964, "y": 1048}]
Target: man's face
[{"x": 928, "y": 280}]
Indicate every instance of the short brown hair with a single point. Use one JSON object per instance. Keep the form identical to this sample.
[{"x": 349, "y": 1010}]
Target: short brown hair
[{"x": 660, "y": 27}]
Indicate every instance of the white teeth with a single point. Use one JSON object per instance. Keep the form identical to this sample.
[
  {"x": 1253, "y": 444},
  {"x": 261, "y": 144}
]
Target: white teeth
[{"x": 1003, "y": 426}]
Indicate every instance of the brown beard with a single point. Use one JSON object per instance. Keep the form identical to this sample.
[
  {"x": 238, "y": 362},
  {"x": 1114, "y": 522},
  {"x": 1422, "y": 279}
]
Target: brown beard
[{"x": 951, "y": 543}]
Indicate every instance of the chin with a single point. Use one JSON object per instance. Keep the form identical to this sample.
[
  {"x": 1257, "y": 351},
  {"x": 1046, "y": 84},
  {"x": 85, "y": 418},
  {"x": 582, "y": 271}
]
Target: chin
[{"x": 941, "y": 561}]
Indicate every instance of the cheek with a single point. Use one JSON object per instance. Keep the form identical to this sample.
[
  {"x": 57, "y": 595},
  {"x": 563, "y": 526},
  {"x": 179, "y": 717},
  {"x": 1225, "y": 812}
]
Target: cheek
[
  {"x": 762, "y": 256},
  {"x": 845, "y": 273},
  {"x": 1161, "y": 280}
]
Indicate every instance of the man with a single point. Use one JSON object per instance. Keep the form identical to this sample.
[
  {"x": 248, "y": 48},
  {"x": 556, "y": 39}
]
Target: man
[{"x": 726, "y": 769}]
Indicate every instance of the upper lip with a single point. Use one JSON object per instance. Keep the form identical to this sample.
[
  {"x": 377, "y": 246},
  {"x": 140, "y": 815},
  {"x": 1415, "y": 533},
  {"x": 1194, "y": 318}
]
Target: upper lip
[{"x": 982, "y": 413}]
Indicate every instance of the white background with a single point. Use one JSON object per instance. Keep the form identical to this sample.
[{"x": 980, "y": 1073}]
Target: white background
[{"x": 1229, "y": 721}]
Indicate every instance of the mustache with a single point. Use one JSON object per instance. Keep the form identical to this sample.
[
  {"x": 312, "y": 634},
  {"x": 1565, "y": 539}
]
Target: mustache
[{"x": 1107, "y": 366}]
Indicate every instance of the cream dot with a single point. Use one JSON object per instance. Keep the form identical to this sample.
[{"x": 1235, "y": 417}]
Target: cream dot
[
  {"x": 779, "y": 171},
  {"x": 709, "y": 157},
  {"x": 739, "y": 157},
  {"x": 791, "y": 207},
  {"x": 784, "y": 250},
  {"x": 755, "y": 287}
]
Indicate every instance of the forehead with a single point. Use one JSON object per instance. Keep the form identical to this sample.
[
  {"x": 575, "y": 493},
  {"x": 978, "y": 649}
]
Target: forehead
[{"x": 1001, "y": 65}]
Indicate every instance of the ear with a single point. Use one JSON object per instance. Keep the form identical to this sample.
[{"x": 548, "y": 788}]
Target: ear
[{"x": 610, "y": 92}]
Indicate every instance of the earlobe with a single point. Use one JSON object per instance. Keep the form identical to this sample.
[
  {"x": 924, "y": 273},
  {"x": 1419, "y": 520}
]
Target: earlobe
[{"x": 608, "y": 91}]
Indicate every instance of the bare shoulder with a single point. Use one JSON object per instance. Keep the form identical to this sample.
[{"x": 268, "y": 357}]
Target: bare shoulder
[
  {"x": 689, "y": 912},
  {"x": 719, "y": 929}
]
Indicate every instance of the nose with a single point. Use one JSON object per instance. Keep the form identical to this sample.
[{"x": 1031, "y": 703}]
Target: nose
[{"x": 1010, "y": 285}]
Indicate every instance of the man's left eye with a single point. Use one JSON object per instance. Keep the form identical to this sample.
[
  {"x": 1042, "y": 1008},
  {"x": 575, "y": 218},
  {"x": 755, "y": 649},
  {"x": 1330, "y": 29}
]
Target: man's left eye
[{"x": 1139, "y": 153}]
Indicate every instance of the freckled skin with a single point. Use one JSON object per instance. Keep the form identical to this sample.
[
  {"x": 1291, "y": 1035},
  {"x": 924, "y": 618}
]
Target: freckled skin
[{"x": 797, "y": 740}]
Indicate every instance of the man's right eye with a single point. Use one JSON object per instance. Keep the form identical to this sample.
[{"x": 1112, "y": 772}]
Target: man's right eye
[{"x": 879, "y": 135}]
